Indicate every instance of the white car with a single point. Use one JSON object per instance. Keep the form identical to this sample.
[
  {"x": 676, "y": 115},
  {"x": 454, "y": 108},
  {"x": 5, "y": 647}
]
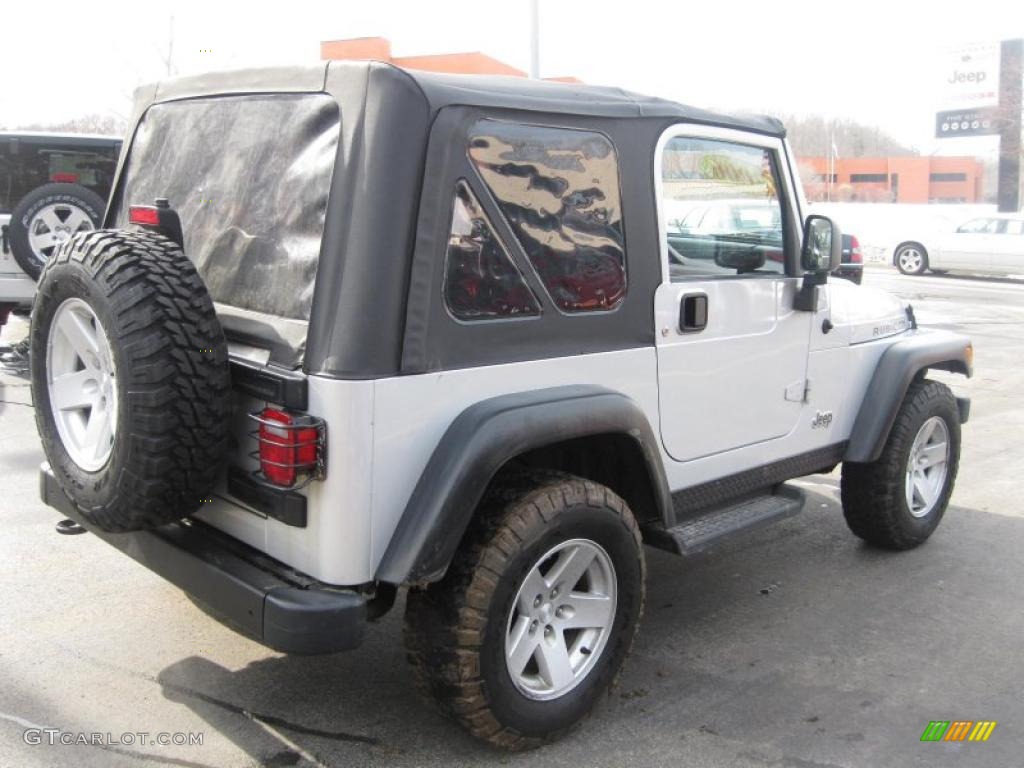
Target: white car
[{"x": 992, "y": 244}]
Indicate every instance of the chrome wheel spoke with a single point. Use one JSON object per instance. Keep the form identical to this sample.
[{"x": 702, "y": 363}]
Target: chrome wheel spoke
[
  {"x": 923, "y": 490},
  {"x": 37, "y": 241},
  {"x": 81, "y": 337},
  {"x": 524, "y": 644},
  {"x": 72, "y": 390},
  {"x": 97, "y": 434},
  {"x": 933, "y": 455},
  {"x": 533, "y": 587},
  {"x": 554, "y": 662},
  {"x": 569, "y": 568},
  {"x": 77, "y": 221},
  {"x": 584, "y": 611},
  {"x": 48, "y": 218}
]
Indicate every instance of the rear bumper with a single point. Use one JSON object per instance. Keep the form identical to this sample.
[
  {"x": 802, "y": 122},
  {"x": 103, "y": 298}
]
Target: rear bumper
[{"x": 243, "y": 588}]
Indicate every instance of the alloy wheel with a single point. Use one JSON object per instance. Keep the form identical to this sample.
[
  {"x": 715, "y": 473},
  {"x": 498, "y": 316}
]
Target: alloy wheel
[
  {"x": 561, "y": 619},
  {"x": 911, "y": 259},
  {"x": 927, "y": 466},
  {"x": 82, "y": 384},
  {"x": 52, "y": 225}
]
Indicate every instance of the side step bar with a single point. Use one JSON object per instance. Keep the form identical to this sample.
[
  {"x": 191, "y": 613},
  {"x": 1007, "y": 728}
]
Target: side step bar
[{"x": 699, "y": 533}]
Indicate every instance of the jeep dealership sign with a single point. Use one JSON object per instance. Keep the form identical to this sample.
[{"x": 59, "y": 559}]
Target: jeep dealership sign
[
  {"x": 969, "y": 88},
  {"x": 970, "y": 77}
]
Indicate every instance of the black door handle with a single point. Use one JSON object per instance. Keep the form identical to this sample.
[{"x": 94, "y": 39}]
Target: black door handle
[{"x": 693, "y": 313}]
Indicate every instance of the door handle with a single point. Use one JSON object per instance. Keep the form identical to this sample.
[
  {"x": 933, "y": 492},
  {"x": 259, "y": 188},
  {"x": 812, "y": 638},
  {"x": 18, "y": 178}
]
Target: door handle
[{"x": 693, "y": 313}]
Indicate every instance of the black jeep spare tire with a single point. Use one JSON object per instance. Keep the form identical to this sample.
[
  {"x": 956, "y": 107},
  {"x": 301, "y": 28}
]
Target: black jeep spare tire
[
  {"x": 129, "y": 378},
  {"x": 46, "y": 217}
]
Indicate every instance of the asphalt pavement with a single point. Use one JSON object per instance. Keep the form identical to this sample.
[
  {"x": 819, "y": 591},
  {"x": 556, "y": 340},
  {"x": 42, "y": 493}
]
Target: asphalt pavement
[{"x": 793, "y": 647}]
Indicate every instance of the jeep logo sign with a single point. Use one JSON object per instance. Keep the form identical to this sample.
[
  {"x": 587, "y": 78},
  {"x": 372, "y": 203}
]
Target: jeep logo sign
[{"x": 969, "y": 77}]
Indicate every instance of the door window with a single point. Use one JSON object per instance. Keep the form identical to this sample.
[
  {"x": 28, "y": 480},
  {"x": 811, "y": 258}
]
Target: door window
[
  {"x": 722, "y": 208},
  {"x": 1015, "y": 226},
  {"x": 980, "y": 227}
]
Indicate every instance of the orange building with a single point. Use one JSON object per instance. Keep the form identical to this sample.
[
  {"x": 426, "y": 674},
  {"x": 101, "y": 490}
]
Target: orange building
[
  {"x": 379, "y": 49},
  {"x": 895, "y": 179}
]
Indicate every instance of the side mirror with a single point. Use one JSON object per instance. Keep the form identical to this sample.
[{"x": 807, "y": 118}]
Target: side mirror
[
  {"x": 823, "y": 245},
  {"x": 739, "y": 257},
  {"x": 822, "y": 254}
]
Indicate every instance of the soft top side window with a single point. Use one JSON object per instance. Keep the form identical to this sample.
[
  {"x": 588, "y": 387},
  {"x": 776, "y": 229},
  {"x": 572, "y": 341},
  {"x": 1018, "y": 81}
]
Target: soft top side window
[
  {"x": 480, "y": 279},
  {"x": 559, "y": 190}
]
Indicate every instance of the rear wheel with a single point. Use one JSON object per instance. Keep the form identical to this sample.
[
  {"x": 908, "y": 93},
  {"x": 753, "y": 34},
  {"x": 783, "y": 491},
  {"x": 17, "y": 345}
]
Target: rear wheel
[
  {"x": 897, "y": 501},
  {"x": 48, "y": 216},
  {"x": 911, "y": 259},
  {"x": 532, "y": 622}
]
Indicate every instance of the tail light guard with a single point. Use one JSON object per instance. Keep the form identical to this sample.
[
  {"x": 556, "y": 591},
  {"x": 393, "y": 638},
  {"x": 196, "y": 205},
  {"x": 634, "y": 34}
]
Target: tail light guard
[{"x": 291, "y": 448}]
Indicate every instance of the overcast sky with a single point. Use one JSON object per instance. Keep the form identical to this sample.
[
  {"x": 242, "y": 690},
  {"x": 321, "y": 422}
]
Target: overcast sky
[{"x": 877, "y": 62}]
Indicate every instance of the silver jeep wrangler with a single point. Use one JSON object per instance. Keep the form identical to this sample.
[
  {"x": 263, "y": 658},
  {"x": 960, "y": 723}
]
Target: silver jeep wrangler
[{"x": 352, "y": 329}]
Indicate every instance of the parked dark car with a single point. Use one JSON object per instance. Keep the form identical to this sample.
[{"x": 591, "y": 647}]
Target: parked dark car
[
  {"x": 52, "y": 186},
  {"x": 853, "y": 260}
]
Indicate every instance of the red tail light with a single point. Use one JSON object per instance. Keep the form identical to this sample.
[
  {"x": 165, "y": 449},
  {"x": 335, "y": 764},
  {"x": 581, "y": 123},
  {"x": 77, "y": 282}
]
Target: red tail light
[
  {"x": 146, "y": 215},
  {"x": 64, "y": 178},
  {"x": 290, "y": 445},
  {"x": 855, "y": 254}
]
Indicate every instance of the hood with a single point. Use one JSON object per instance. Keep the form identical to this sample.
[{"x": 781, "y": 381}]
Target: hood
[{"x": 867, "y": 313}]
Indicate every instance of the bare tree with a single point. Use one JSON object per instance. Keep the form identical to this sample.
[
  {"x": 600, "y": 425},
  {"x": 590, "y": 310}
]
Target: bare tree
[
  {"x": 168, "y": 58},
  {"x": 812, "y": 135},
  {"x": 95, "y": 123}
]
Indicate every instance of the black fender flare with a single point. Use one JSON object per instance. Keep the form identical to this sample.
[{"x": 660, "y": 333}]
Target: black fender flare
[
  {"x": 479, "y": 442},
  {"x": 897, "y": 368}
]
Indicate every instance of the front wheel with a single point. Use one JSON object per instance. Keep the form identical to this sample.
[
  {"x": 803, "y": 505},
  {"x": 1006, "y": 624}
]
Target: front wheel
[
  {"x": 897, "y": 501},
  {"x": 532, "y": 622},
  {"x": 911, "y": 259}
]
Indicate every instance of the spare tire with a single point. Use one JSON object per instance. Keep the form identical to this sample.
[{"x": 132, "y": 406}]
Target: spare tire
[
  {"x": 130, "y": 379},
  {"x": 46, "y": 217}
]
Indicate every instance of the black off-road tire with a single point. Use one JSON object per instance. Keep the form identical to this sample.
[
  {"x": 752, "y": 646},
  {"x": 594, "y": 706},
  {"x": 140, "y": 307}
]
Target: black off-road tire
[
  {"x": 873, "y": 495},
  {"x": 91, "y": 204},
  {"x": 173, "y": 384},
  {"x": 455, "y": 628}
]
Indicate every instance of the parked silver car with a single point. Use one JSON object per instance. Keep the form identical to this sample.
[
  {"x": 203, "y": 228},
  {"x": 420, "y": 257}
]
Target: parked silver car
[{"x": 992, "y": 244}]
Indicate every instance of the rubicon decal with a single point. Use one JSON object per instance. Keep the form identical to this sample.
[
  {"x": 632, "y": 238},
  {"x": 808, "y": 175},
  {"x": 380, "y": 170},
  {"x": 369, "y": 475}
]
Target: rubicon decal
[{"x": 958, "y": 730}]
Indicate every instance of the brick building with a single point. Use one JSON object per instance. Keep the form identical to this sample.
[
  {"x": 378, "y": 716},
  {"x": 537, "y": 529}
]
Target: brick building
[
  {"x": 379, "y": 49},
  {"x": 895, "y": 179}
]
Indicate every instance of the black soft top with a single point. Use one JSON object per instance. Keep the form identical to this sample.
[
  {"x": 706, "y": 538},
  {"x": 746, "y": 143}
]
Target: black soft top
[
  {"x": 442, "y": 90},
  {"x": 400, "y": 153}
]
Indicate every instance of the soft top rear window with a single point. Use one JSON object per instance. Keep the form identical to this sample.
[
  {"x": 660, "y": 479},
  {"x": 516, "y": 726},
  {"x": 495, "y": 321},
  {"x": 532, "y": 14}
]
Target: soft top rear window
[{"x": 249, "y": 176}]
